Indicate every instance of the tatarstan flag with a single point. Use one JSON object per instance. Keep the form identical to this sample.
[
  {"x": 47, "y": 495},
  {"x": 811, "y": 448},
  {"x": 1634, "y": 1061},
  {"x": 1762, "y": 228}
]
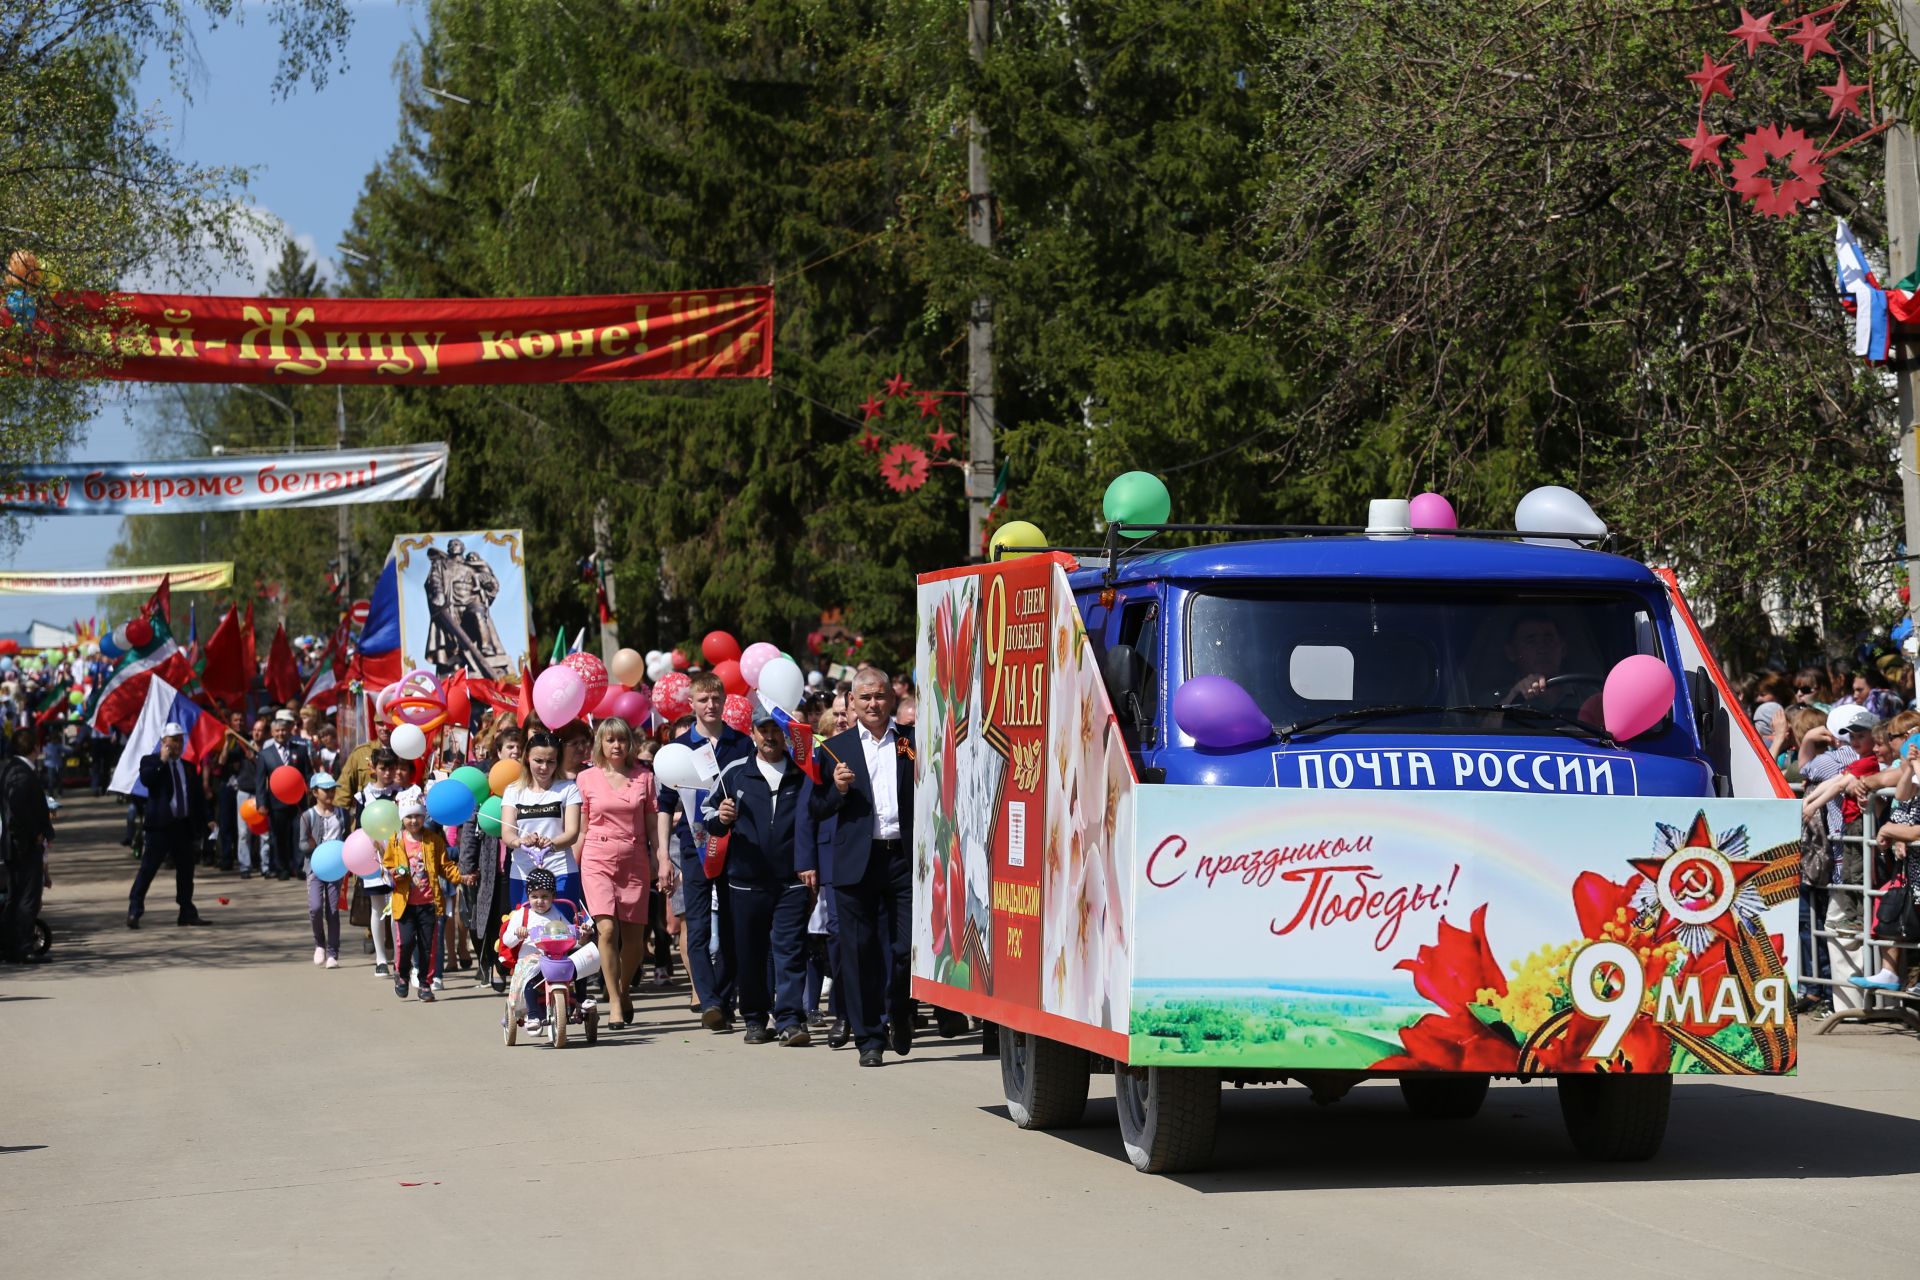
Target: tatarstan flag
[{"x": 152, "y": 652}]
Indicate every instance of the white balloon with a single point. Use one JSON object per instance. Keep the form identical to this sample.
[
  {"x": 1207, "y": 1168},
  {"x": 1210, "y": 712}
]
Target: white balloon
[
  {"x": 673, "y": 766},
  {"x": 408, "y": 742},
  {"x": 657, "y": 669},
  {"x": 782, "y": 684},
  {"x": 1554, "y": 509}
]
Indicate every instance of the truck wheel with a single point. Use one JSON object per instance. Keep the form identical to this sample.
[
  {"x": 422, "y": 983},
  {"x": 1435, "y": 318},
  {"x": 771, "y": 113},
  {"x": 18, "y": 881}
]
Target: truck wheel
[
  {"x": 1045, "y": 1081},
  {"x": 1616, "y": 1117},
  {"x": 1168, "y": 1116},
  {"x": 1445, "y": 1097}
]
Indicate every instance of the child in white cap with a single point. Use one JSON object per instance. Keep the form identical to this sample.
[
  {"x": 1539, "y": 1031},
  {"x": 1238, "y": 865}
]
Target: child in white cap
[{"x": 318, "y": 825}]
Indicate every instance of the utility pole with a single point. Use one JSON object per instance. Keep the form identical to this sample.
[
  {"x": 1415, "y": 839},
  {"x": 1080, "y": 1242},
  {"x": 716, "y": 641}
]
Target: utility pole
[
  {"x": 980, "y": 211},
  {"x": 344, "y": 511},
  {"x": 602, "y": 537},
  {"x": 1903, "y": 254}
]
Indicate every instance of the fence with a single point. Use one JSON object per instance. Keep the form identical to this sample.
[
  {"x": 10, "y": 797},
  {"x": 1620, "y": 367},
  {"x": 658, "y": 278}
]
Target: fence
[{"x": 1860, "y": 954}]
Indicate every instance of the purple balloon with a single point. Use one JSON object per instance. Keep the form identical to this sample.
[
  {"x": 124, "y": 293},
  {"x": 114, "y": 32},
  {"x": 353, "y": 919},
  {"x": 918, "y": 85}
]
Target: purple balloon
[
  {"x": 1216, "y": 712},
  {"x": 1431, "y": 511}
]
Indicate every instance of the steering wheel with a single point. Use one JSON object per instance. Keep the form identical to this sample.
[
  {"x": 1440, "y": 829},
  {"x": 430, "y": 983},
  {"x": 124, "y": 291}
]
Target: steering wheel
[{"x": 1585, "y": 679}]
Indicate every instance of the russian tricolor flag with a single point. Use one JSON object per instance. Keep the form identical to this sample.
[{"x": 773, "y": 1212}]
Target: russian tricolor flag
[{"x": 165, "y": 704}]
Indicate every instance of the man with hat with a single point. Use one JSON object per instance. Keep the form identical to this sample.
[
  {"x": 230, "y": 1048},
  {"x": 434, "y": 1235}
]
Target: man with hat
[
  {"x": 754, "y": 804},
  {"x": 283, "y": 819},
  {"x": 177, "y": 821}
]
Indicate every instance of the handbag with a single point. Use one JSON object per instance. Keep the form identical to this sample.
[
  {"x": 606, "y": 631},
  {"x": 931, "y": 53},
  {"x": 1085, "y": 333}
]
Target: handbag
[
  {"x": 1896, "y": 917},
  {"x": 360, "y": 912}
]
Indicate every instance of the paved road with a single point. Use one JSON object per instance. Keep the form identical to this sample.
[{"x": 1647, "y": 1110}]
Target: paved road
[{"x": 192, "y": 1102}]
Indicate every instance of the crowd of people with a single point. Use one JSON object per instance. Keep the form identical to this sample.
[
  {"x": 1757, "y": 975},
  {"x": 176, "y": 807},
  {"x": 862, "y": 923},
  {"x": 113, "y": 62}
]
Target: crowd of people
[
  {"x": 782, "y": 891},
  {"x": 1847, "y": 739}
]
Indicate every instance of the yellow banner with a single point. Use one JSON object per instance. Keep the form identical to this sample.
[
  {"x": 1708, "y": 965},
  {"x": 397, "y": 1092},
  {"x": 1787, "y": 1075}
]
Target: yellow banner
[{"x": 100, "y": 582}]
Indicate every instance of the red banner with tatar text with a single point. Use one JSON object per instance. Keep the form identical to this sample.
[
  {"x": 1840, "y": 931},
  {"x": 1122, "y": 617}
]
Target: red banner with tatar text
[{"x": 715, "y": 333}]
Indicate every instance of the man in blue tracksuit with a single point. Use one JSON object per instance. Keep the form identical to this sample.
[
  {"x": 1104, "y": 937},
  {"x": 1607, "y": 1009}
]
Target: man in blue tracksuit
[
  {"x": 754, "y": 806},
  {"x": 713, "y": 980}
]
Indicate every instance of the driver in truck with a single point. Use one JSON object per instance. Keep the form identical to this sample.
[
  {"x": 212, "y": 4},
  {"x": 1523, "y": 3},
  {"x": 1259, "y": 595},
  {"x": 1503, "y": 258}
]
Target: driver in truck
[{"x": 1537, "y": 651}]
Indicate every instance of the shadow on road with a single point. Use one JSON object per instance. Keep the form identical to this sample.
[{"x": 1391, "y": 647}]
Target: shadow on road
[{"x": 1276, "y": 1139}]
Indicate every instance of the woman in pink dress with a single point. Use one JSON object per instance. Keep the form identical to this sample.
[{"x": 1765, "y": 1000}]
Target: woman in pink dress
[{"x": 617, "y": 858}]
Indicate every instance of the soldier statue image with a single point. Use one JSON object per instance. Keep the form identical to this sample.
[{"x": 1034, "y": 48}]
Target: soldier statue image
[{"x": 461, "y": 589}]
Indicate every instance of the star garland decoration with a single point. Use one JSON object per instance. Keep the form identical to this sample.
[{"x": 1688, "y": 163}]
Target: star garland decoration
[
  {"x": 904, "y": 465},
  {"x": 1768, "y": 149}
]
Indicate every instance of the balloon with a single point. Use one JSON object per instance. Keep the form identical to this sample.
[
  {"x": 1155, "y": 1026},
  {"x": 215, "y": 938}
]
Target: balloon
[
  {"x": 1431, "y": 511},
  {"x": 604, "y": 707},
  {"x": 1137, "y": 497},
  {"x": 459, "y": 704},
  {"x": 287, "y": 785},
  {"x": 1553, "y": 509},
  {"x": 1016, "y": 533},
  {"x": 503, "y": 775},
  {"x": 473, "y": 780},
  {"x": 75, "y": 697},
  {"x": 408, "y": 741},
  {"x": 418, "y": 683},
  {"x": 249, "y": 811},
  {"x": 490, "y": 814},
  {"x": 679, "y": 660},
  {"x": 328, "y": 862},
  {"x": 719, "y": 647},
  {"x": 361, "y": 854},
  {"x": 558, "y": 695},
  {"x": 670, "y": 696},
  {"x": 633, "y": 706},
  {"x": 24, "y": 268},
  {"x": 450, "y": 802},
  {"x": 729, "y": 673},
  {"x": 381, "y": 820},
  {"x": 1217, "y": 713},
  {"x": 628, "y": 667},
  {"x": 385, "y": 697},
  {"x": 139, "y": 633},
  {"x": 674, "y": 768},
  {"x": 757, "y": 656},
  {"x": 1637, "y": 695},
  {"x": 110, "y": 647},
  {"x": 738, "y": 712},
  {"x": 592, "y": 673},
  {"x": 782, "y": 685}
]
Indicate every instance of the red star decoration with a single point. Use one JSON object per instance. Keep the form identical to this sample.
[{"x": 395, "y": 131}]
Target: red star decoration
[
  {"x": 1712, "y": 78},
  {"x": 1769, "y": 143},
  {"x": 897, "y": 387},
  {"x": 870, "y": 442},
  {"x": 1753, "y": 31},
  {"x": 1811, "y": 36},
  {"x": 1700, "y": 836},
  {"x": 904, "y": 468},
  {"x": 1702, "y": 147},
  {"x": 1844, "y": 95},
  {"x": 941, "y": 437},
  {"x": 871, "y": 408},
  {"x": 929, "y": 405}
]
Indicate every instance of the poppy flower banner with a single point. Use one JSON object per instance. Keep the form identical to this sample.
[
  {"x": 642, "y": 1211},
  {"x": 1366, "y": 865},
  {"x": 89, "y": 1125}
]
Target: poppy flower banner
[
  {"x": 1464, "y": 932},
  {"x": 714, "y": 333}
]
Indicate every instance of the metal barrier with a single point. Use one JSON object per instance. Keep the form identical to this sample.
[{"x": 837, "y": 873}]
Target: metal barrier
[{"x": 1864, "y": 956}]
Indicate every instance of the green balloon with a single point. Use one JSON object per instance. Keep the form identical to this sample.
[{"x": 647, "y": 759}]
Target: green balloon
[
  {"x": 490, "y": 815},
  {"x": 474, "y": 780},
  {"x": 1137, "y": 497},
  {"x": 381, "y": 820}
]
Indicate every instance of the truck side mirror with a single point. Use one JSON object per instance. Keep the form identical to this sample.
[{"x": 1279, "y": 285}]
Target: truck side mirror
[{"x": 1123, "y": 671}]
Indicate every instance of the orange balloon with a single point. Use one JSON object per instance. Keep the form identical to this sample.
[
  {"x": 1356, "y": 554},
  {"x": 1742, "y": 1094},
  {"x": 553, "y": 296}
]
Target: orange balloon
[
  {"x": 23, "y": 268},
  {"x": 503, "y": 775},
  {"x": 249, "y": 811}
]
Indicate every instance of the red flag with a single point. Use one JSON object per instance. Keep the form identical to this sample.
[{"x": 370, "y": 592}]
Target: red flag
[
  {"x": 162, "y": 601},
  {"x": 227, "y": 675},
  {"x": 800, "y": 743},
  {"x": 246, "y": 638},
  {"x": 282, "y": 675},
  {"x": 523, "y": 709}
]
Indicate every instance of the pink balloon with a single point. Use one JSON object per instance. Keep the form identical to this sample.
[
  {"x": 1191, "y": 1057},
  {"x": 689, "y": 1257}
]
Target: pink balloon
[
  {"x": 757, "y": 656},
  {"x": 607, "y": 701},
  {"x": 1431, "y": 511},
  {"x": 633, "y": 706},
  {"x": 361, "y": 854},
  {"x": 1638, "y": 692},
  {"x": 738, "y": 712},
  {"x": 558, "y": 695}
]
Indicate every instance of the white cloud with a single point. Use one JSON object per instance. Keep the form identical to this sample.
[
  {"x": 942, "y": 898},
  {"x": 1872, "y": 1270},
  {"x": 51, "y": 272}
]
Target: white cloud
[{"x": 206, "y": 271}]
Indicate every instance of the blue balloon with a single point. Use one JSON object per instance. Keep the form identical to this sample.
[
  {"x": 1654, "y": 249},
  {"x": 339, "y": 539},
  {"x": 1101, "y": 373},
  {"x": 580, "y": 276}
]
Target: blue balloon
[
  {"x": 22, "y": 305},
  {"x": 108, "y": 649},
  {"x": 329, "y": 861},
  {"x": 1902, "y": 629},
  {"x": 449, "y": 802}
]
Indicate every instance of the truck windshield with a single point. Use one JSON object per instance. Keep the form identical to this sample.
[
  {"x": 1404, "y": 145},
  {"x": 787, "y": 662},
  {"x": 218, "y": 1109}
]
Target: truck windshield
[{"x": 1410, "y": 658}]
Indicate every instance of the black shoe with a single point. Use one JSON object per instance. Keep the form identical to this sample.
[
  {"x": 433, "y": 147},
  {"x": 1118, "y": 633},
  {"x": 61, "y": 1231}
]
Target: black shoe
[
  {"x": 838, "y": 1034},
  {"x": 246, "y": 873},
  {"x": 795, "y": 1037},
  {"x": 869, "y": 1057},
  {"x": 133, "y": 920},
  {"x": 400, "y": 990},
  {"x": 900, "y": 1036},
  {"x": 726, "y": 1024},
  {"x": 194, "y": 919},
  {"x": 755, "y": 1035},
  {"x": 426, "y": 995},
  {"x": 951, "y": 1024},
  {"x": 712, "y": 1019}
]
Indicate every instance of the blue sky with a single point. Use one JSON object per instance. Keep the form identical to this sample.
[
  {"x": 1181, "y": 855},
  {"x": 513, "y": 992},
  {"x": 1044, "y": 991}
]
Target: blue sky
[{"x": 309, "y": 152}]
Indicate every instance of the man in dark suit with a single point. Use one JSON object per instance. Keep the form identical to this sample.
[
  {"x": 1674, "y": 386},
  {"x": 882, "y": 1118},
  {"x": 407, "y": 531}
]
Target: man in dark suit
[
  {"x": 871, "y": 799},
  {"x": 754, "y": 803},
  {"x": 177, "y": 823},
  {"x": 283, "y": 820}
]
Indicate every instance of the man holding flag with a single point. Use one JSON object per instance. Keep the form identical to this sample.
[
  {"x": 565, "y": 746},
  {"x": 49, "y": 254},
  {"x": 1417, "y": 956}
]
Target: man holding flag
[{"x": 176, "y": 821}]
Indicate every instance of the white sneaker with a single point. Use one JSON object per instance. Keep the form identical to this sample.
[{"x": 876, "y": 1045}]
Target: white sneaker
[
  {"x": 332, "y": 963},
  {"x": 534, "y": 1026},
  {"x": 439, "y": 984},
  {"x": 319, "y": 955}
]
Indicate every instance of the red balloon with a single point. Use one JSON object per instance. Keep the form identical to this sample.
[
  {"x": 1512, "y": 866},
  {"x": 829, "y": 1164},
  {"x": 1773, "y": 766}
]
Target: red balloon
[
  {"x": 287, "y": 785},
  {"x": 608, "y": 700},
  {"x": 814, "y": 641},
  {"x": 592, "y": 673},
  {"x": 681, "y": 661},
  {"x": 633, "y": 706},
  {"x": 670, "y": 695},
  {"x": 729, "y": 673},
  {"x": 459, "y": 704},
  {"x": 739, "y": 711},
  {"x": 139, "y": 632},
  {"x": 720, "y": 647}
]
